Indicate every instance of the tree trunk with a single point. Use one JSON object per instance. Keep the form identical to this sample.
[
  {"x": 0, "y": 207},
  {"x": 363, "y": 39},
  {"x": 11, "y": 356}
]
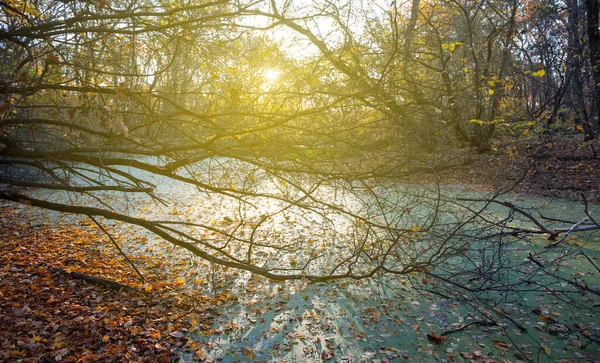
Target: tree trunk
[
  {"x": 495, "y": 98},
  {"x": 574, "y": 65},
  {"x": 590, "y": 128},
  {"x": 412, "y": 23}
]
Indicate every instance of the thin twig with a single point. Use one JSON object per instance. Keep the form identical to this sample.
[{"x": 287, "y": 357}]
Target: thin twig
[
  {"x": 183, "y": 314},
  {"x": 590, "y": 260},
  {"x": 523, "y": 354},
  {"x": 117, "y": 286},
  {"x": 587, "y": 210},
  {"x": 118, "y": 248},
  {"x": 479, "y": 323}
]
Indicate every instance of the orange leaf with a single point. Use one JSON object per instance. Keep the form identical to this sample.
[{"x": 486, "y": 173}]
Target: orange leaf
[
  {"x": 546, "y": 349},
  {"x": 201, "y": 354},
  {"x": 547, "y": 318},
  {"x": 437, "y": 339}
]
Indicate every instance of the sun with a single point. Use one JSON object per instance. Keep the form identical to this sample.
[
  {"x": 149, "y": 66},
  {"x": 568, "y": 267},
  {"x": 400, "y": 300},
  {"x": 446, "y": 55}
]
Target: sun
[{"x": 271, "y": 74}]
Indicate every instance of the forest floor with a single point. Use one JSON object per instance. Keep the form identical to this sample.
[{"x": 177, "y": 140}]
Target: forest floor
[
  {"x": 561, "y": 167},
  {"x": 48, "y": 315}
]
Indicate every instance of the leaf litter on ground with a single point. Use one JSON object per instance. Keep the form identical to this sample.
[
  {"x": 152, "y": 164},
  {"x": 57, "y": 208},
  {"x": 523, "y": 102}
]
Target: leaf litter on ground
[{"x": 49, "y": 316}]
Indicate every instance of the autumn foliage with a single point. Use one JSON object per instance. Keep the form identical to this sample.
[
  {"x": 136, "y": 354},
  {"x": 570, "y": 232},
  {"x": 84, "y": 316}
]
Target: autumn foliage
[{"x": 49, "y": 316}]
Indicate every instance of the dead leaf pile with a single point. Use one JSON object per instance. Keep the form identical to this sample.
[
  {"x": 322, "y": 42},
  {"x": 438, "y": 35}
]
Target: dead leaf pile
[{"x": 47, "y": 316}]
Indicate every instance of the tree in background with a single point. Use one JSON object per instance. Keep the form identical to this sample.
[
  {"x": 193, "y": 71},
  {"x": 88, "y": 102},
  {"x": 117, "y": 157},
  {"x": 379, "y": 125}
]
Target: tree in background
[{"x": 593, "y": 33}]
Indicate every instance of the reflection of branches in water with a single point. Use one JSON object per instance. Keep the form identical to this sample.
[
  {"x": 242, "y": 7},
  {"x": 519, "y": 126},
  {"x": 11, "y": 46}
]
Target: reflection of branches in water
[{"x": 502, "y": 267}]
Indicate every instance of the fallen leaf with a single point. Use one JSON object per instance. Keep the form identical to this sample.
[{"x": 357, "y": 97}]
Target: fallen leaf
[
  {"x": 547, "y": 318},
  {"x": 249, "y": 353},
  {"x": 436, "y": 339},
  {"x": 546, "y": 349},
  {"x": 499, "y": 344},
  {"x": 176, "y": 334},
  {"x": 326, "y": 355}
]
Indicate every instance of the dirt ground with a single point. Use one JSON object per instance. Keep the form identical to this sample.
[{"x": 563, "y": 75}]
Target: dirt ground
[{"x": 559, "y": 167}]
